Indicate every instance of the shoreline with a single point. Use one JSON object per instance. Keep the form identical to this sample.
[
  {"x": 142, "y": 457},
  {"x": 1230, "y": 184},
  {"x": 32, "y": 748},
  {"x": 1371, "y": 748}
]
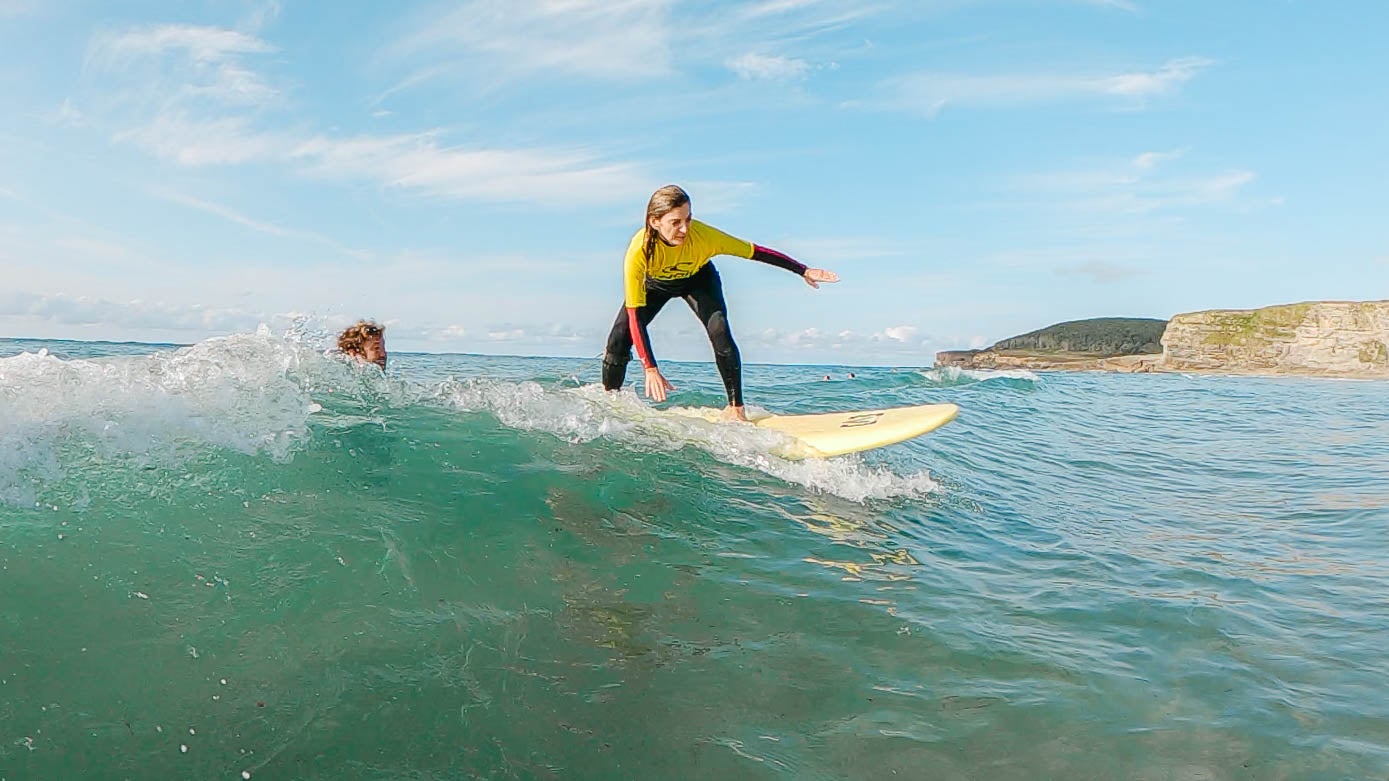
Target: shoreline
[{"x": 1133, "y": 364}]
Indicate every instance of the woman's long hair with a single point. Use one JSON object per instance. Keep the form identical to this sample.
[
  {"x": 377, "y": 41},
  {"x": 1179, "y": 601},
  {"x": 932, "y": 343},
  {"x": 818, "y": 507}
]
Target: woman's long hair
[{"x": 663, "y": 201}]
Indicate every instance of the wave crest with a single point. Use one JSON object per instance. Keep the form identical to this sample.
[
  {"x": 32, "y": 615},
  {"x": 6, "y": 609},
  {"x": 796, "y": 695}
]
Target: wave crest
[{"x": 264, "y": 395}]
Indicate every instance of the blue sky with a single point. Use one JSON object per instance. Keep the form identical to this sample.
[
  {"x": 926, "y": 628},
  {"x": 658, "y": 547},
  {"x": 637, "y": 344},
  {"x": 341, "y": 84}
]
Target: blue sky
[{"x": 470, "y": 172}]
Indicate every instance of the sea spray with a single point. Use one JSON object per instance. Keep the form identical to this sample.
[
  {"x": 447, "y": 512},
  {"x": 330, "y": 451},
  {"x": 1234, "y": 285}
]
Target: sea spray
[{"x": 266, "y": 395}]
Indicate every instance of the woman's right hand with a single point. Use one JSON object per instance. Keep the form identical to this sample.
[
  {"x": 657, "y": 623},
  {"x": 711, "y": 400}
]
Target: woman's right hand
[
  {"x": 814, "y": 276},
  {"x": 657, "y": 385}
]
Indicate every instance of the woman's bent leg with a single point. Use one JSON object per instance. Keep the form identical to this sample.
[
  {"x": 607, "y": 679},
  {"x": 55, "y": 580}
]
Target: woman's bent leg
[
  {"x": 706, "y": 299},
  {"x": 619, "y": 350}
]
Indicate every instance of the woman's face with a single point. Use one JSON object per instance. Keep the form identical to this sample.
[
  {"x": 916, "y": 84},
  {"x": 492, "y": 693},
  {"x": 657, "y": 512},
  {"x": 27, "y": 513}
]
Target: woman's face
[{"x": 673, "y": 226}]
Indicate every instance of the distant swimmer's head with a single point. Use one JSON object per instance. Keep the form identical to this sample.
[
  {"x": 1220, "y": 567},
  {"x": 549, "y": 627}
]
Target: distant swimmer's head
[
  {"x": 667, "y": 217},
  {"x": 365, "y": 341}
]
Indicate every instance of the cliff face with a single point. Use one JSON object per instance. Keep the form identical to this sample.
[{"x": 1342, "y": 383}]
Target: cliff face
[{"x": 1334, "y": 338}]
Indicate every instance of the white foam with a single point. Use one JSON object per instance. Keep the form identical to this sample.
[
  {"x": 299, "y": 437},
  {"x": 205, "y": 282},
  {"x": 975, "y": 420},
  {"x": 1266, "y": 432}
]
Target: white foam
[
  {"x": 587, "y": 413},
  {"x": 239, "y": 392},
  {"x": 955, "y": 375},
  {"x": 256, "y": 393}
]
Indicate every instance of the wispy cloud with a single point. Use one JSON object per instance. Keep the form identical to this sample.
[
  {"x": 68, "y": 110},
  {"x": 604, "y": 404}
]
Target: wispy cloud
[
  {"x": 183, "y": 65},
  {"x": 1123, "y": 5},
  {"x": 1180, "y": 192},
  {"x": 719, "y": 197},
  {"x": 209, "y": 121},
  {"x": 202, "y": 44},
  {"x": 805, "y": 16},
  {"x": 143, "y": 318},
  {"x": 1138, "y": 85},
  {"x": 262, "y": 14},
  {"x": 446, "y": 333},
  {"x": 419, "y": 162},
  {"x": 94, "y": 248},
  {"x": 259, "y": 226},
  {"x": 17, "y": 7},
  {"x": 620, "y": 40},
  {"x": 905, "y": 339},
  {"x": 1138, "y": 186},
  {"x": 761, "y": 67},
  {"x": 1149, "y": 160},
  {"x": 548, "y": 333},
  {"x": 929, "y": 93},
  {"x": 757, "y": 10},
  {"x": 900, "y": 333},
  {"x": 614, "y": 40},
  {"x": 133, "y": 314},
  {"x": 221, "y": 140},
  {"x": 68, "y": 114}
]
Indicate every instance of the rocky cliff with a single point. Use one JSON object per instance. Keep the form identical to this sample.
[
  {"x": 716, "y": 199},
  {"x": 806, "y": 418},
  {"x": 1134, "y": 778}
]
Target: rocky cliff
[
  {"x": 1326, "y": 338},
  {"x": 1332, "y": 338}
]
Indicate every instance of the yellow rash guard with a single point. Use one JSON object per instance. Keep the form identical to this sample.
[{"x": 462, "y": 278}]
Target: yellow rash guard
[
  {"x": 701, "y": 243},
  {"x": 671, "y": 265}
]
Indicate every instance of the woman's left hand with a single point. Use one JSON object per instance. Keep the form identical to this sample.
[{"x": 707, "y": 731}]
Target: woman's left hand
[{"x": 814, "y": 276}]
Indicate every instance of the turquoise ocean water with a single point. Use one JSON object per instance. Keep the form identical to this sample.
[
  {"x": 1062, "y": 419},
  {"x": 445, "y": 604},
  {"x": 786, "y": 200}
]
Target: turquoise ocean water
[{"x": 242, "y": 557}]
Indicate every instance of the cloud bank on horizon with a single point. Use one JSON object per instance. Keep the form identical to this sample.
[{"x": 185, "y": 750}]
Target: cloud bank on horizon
[{"x": 469, "y": 173}]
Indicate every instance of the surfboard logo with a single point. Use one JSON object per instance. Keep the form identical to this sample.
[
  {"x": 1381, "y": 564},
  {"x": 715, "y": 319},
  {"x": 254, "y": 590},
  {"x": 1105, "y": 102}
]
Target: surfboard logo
[{"x": 859, "y": 421}]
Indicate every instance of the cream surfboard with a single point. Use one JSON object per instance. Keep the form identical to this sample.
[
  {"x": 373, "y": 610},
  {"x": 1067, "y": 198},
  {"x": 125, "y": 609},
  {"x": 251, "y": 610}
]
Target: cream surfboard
[{"x": 837, "y": 433}]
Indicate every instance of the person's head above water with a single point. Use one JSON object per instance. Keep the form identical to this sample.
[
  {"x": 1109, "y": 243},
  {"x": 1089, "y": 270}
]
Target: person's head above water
[
  {"x": 365, "y": 341},
  {"x": 667, "y": 218}
]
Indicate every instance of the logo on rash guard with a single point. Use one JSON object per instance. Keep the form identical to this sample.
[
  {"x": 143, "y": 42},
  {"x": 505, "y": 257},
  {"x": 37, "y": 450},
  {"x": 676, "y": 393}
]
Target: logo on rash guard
[{"x": 679, "y": 270}]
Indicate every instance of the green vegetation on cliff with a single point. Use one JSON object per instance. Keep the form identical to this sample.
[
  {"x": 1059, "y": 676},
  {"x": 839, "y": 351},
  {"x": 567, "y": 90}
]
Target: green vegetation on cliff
[
  {"x": 1376, "y": 354},
  {"x": 1099, "y": 337},
  {"x": 1243, "y": 327}
]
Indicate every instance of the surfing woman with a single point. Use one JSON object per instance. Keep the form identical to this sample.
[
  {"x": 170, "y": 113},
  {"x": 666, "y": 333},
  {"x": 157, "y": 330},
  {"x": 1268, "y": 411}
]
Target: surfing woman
[{"x": 669, "y": 258}]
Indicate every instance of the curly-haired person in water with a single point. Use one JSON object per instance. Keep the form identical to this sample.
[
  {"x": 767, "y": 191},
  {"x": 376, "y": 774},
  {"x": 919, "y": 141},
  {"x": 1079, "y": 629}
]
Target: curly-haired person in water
[
  {"x": 669, "y": 258},
  {"x": 365, "y": 342}
]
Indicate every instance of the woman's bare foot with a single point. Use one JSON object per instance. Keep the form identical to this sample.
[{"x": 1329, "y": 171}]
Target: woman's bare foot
[{"x": 734, "y": 413}]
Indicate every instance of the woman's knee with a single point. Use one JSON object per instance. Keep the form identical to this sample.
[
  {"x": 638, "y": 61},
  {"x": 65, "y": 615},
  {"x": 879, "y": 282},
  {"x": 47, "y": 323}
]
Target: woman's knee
[
  {"x": 619, "y": 341},
  {"x": 720, "y": 335}
]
